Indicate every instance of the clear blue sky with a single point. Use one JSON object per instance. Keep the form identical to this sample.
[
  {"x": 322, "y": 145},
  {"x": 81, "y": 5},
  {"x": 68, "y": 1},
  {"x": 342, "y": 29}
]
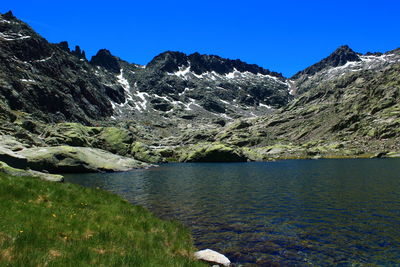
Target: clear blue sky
[{"x": 281, "y": 35}]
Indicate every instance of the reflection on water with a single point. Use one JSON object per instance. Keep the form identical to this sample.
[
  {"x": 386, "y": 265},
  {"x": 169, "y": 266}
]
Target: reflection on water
[{"x": 297, "y": 212}]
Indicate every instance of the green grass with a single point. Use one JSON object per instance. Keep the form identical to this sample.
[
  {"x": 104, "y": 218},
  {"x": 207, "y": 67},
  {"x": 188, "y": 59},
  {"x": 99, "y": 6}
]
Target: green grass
[{"x": 53, "y": 224}]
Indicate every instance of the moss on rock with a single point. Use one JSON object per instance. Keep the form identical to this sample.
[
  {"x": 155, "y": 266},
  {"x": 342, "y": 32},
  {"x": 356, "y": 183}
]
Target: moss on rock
[
  {"x": 115, "y": 140},
  {"x": 77, "y": 159},
  {"x": 72, "y": 134},
  {"x": 143, "y": 152},
  {"x": 213, "y": 152},
  {"x": 4, "y": 168}
]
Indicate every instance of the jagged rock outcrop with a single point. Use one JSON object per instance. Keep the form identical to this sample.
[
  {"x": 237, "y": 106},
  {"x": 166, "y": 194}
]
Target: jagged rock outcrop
[
  {"x": 105, "y": 59},
  {"x": 79, "y": 53}
]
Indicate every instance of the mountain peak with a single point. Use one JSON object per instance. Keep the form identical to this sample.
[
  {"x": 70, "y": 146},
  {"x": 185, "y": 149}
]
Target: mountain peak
[
  {"x": 346, "y": 51},
  {"x": 339, "y": 57},
  {"x": 344, "y": 47},
  {"x": 64, "y": 46},
  {"x": 105, "y": 59},
  {"x": 169, "y": 61},
  {"x": 9, "y": 15},
  {"x": 77, "y": 52}
]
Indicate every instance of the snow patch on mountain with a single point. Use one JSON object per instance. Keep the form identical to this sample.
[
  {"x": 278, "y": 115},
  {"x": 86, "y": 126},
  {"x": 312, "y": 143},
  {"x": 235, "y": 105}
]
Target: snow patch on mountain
[
  {"x": 184, "y": 91},
  {"x": 291, "y": 87},
  {"x": 44, "y": 59},
  {"x": 127, "y": 87},
  {"x": 368, "y": 62},
  {"x": 141, "y": 106},
  {"x": 13, "y": 36},
  {"x": 265, "y": 106},
  {"x": 27, "y": 80},
  {"x": 186, "y": 73},
  {"x": 182, "y": 72},
  {"x": 191, "y": 103}
]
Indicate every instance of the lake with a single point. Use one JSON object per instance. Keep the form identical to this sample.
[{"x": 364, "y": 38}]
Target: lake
[{"x": 293, "y": 212}]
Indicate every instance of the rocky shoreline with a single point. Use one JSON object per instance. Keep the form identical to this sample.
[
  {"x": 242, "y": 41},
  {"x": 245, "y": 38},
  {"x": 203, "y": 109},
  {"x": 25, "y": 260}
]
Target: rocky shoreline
[
  {"x": 73, "y": 147},
  {"x": 39, "y": 161}
]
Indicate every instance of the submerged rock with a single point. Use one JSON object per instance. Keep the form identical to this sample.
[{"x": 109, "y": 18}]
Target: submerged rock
[
  {"x": 77, "y": 159},
  {"x": 4, "y": 168},
  {"x": 212, "y": 257}
]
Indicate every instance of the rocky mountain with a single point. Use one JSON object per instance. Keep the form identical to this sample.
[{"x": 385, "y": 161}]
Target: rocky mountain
[
  {"x": 58, "y": 84},
  {"x": 195, "y": 107},
  {"x": 342, "y": 61},
  {"x": 356, "y": 114},
  {"x": 339, "y": 57},
  {"x": 45, "y": 79},
  {"x": 175, "y": 85}
]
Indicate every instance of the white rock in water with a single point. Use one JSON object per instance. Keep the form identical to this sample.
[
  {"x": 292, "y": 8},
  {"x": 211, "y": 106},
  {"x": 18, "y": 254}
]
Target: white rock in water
[{"x": 212, "y": 256}]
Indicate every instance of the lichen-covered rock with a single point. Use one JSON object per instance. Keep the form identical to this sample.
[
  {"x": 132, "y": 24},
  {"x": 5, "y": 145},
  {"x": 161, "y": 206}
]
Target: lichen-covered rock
[
  {"x": 73, "y": 134},
  {"x": 10, "y": 143},
  {"x": 5, "y": 168},
  {"x": 62, "y": 159},
  {"x": 115, "y": 140},
  {"x": 8, "y": 152},
  {"x": 143, "y": 152},
  {"x": 213, "y": 152},
  {"x": 240, "y": 124}
]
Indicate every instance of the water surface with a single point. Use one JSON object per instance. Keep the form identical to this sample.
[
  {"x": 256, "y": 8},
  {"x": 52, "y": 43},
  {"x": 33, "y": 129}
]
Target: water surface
[{"x": 294, "y": 212}]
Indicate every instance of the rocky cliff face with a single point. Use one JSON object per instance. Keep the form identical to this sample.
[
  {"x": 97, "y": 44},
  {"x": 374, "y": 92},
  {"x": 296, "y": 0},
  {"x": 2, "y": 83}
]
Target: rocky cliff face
[{"x": 43, "y": 79}]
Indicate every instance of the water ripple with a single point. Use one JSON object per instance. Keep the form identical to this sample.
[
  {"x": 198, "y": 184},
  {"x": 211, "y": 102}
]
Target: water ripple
[{"x": 299, "y": 212}]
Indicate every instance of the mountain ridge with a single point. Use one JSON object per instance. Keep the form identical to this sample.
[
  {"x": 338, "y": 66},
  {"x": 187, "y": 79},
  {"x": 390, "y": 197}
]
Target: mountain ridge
[
  {"x": 179, "y": 102},
  {"x": 339, "y": 57}
]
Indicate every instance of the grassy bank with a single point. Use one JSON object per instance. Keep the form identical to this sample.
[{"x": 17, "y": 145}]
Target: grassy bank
[{"x": 52, "y": 224}]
